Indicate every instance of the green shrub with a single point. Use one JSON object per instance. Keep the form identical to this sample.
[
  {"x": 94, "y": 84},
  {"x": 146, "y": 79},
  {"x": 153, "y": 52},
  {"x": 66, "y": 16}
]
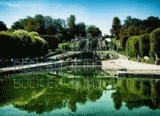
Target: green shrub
[
  {"x": 65, "y": 46},
  {"x": 116, "y": 43},
  {"x": 132, "y": 46},
  {"x": 138, "y": 45},
  {"x": 9, "y": 44},
  {"x": 123, "y": 41},
  {"x": 33, "y": 33},
  {"x": 135, "y": 45},
  {"x": 154, "y": 43},
  {"x": 21, "y": 44},
  {"x": 127, "y": 47},
  {"x": 144, "y": 45},
  {"x": 151, "y": 61},
  {"x": 134, "y": 59},
  {"x": 52, "y": 40}
]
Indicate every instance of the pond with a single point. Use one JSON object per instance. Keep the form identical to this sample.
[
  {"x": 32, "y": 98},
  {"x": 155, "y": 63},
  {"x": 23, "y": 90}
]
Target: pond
[{"x": 46, "y": 93}]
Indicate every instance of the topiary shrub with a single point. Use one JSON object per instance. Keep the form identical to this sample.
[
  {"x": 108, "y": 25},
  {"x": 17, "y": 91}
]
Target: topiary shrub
[
  {"x": 52, "y": 40},
  {"x": 21, "y": 44},
  {"x": 123, "y": 41},
  {"x": 144, "y": 46},
  {"x": 132, "y": 46},
  {"x": 127, "y": 47},
  {"x": 154, "y": 43},
  {"x": 10, "y": 45},
  {"x": 135, "y": 46},
  {"x": 33, "y": 33}
]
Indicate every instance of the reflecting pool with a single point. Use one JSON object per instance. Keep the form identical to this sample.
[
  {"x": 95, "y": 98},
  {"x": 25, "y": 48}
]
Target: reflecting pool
[{"x": 51, "y": 94}]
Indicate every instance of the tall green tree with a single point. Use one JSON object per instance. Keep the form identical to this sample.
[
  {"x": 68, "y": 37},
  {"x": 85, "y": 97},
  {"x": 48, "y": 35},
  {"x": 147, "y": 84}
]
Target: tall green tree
[
  {"x": 93, "y": 30},
  {"x": 81, "y": 29},
  {"x": 32, "y": 25},
  {"x": 128, "y": 21},
  {"x": 3, "y": 26},
  {"x": 59, "y": 24},
  {"x": 71, "y": 25},
  {"x": 16, "y": 25},
  {"x": 123, "y": 36},
  {"x": 39, "y": 19},
  {"x": 152, "y": 22},
  {"x": 53, "y": 26},
  {"x": 116, "y": 25},
  {"x": 48, "y": 25},
  {"x": 132, "y": 31},
  {"x": 20, "y": 24},
  {"x": 136, "y": 22}
]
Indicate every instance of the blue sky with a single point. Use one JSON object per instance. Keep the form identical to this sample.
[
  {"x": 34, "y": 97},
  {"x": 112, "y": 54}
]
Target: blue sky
[{"x": 93, "y": 12}]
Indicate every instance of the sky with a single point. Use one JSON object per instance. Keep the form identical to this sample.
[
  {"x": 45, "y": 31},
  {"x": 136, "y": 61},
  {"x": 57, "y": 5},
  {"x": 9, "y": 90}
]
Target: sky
[{"x": 92, "y": 12}]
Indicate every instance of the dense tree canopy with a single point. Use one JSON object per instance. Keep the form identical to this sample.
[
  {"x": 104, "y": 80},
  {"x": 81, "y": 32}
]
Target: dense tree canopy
[
  {"x": 116, "y": 26},
  {"x": 44, "y": 25},
  {"x": 129, "y": 21},
  {"x": 93, "y": 30},
  {"x": 2, "y": 26},
  {"x": 71, "y": 25},
  {"x": 81, "y": 29},
  {"x": 134, "y": 27},
  {"x": 53, "y": 30}
]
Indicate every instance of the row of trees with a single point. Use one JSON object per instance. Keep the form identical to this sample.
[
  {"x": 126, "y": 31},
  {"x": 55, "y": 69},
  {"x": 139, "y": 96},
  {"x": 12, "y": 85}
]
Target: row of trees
[
  {"x": 46, "y": 25},
  {"x": 54, "y": 31},
  {"x": 22, "y": 44},
  {"x": 144, "y": 45},
  {"x": 133, "y": 27}
]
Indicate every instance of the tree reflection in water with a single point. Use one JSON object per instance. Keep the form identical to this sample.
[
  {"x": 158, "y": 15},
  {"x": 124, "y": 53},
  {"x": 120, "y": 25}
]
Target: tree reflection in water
[
  {"x": 137, "y": 93},
  {"x": 117, "y": 99},
  {"x": 65, "y": 93}
]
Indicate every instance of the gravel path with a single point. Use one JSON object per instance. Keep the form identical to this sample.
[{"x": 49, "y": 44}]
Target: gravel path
[{"x": 123, "y": 62}]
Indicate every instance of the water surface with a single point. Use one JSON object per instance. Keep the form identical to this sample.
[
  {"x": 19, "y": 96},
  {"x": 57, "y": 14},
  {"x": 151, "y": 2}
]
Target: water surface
[{"x": 45, "y": 94}]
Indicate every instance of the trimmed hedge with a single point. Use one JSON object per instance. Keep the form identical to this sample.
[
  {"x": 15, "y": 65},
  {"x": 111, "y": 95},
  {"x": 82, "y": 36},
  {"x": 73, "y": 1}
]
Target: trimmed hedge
[
  {"x": 66, "y": 46},
  {"x": 127, "y": 47},
  {"x": 155, "y": 43},
  {"x": 123, "y": 41},
  {"x": 52, "y": 40},
  {"x": 144, "y": 46},
  {"x": 135, "y": 45},
  {"x": 22, "y": 44},
  {"x": 138, "y": 45}
]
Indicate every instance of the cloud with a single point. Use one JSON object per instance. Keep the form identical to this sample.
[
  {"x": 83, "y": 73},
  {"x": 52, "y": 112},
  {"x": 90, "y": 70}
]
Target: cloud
[
  {"x": 13, "y": 4},
  {"x": 9, "y": 4}
]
